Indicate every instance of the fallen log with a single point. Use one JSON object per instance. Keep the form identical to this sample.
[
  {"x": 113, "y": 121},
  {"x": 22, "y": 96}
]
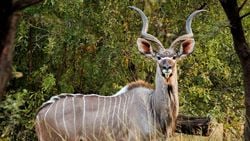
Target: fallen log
[
  {"x": 194, "y": 125},
  {"x": 197, "y": 128}
]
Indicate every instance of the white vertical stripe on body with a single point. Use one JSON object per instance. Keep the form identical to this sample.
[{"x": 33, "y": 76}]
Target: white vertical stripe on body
[
  {"x": 119, "y": 112},
  {"x": 40, "y": 137},
  {"x": 64, "y": 122},
  {"x": 83, "y": 117},
  {"x": 102, "y": 114},
  {"x": 96, "y": 115},
  {"x": 124, "y": 109},
  {"x": 128, "y": 103},
  {"x": 109, "y": 108},
  {"x": 45, "y": 122},
  {"x": 56, "y": 124},
  {"x": 113, "y": 115},
  {"x": 74, "y": 111}
]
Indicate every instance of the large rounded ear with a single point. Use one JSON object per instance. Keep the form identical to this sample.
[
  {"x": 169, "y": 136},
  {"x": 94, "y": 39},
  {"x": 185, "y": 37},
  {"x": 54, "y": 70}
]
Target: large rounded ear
[
  {"x": 187, "y": 47},
  {"x": 145, "y": 47}
]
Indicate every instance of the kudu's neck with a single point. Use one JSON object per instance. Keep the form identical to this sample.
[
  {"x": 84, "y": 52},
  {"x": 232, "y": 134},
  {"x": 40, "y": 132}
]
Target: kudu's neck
[
  {"x": 162, "y": 84},
  {"x": 165, "y": 102},
  {"x": 166, "y": 90}
]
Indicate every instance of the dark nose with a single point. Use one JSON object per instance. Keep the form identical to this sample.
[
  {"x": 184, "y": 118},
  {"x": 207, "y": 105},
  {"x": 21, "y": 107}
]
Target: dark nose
[{"x": 166, "y": 67}]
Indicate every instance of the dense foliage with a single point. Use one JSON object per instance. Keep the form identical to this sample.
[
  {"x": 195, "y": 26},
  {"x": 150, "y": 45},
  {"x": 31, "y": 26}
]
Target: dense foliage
[{"x": 90, "y": 47}]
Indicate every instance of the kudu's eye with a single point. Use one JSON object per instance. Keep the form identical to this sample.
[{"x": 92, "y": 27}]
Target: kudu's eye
[
  {"x": 174, "y": 57},
  {"x": 158, "y": 57}
]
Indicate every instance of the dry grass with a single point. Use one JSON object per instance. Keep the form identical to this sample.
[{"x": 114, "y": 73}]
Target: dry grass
[{"x": 216, "y": 135}]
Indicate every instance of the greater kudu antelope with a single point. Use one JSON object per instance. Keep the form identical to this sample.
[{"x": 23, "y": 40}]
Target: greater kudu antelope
[{"x": 136, "y": 112}]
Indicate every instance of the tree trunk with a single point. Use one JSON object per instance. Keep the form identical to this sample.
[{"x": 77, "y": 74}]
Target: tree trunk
[
  {"x": 7, "y": 34},
  {"x": 8, "y": 22},
  {"x": 242, "y": 49}
]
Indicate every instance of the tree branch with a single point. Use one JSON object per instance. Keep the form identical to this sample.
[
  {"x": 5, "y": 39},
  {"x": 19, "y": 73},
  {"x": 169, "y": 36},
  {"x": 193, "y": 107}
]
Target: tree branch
[
  {"x": 245, "y": 15},
  {"x": 242, "y": 5},
  {"x": 22, "y": 4}
]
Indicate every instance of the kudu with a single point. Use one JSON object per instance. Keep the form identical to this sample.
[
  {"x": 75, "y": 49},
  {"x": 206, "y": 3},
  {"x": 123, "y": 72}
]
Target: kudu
[{"x": 136, "y": 112}]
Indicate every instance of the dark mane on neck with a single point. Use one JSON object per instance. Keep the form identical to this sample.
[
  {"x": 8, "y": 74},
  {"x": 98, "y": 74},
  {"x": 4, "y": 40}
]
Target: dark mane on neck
[{"x": 139, "y": 83}]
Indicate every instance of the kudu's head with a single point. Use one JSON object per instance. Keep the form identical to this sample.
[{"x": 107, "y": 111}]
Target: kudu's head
[{"x": 166, "y": 58}]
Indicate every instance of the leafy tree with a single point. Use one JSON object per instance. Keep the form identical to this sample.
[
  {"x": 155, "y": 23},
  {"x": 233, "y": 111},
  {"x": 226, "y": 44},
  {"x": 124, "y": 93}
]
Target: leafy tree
[{"x": 242, "y": 49}]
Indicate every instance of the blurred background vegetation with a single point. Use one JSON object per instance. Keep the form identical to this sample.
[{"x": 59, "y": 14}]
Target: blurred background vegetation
[{"x": 89, "y": 46}]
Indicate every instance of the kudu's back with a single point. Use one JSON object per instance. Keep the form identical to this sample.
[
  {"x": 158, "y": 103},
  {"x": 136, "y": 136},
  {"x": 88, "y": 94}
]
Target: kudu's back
[{"x": 91, "y": 117}]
